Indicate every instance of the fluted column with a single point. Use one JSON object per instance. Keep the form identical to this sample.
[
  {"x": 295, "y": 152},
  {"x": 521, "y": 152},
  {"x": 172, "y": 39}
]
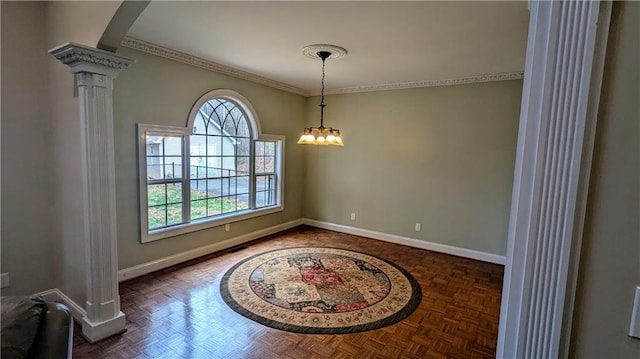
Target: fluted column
[
  {"x": 561, "y": 92},
  {"x": 94, "y": 71}
]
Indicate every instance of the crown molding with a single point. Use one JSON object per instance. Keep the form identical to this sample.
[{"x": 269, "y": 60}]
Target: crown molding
[
  {"x": 504, "y": 76},
  {"x": 165, "y": 52},
  {"x": 168, "y": 53}
]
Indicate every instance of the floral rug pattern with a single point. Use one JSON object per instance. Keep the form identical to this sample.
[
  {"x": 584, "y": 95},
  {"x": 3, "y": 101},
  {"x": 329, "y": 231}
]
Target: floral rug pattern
[{"x": 320, "y": 290}]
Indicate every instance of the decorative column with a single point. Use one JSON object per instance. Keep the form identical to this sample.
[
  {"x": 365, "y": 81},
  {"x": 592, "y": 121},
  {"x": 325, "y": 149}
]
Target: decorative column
[
  {"x": 94, "y": 71},
  {"x": 563, "y": 72}
]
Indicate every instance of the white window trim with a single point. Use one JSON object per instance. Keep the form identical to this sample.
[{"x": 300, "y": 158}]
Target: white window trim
[{"x": 205, "y": 223}]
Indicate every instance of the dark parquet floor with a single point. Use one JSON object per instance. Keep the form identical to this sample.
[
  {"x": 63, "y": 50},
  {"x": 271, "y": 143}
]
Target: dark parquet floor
[{"x": 178, "y": 312}]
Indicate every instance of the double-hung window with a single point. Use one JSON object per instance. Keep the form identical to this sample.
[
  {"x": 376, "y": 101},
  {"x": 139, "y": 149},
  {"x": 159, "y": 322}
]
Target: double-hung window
[{"x": 216, "y": 170}]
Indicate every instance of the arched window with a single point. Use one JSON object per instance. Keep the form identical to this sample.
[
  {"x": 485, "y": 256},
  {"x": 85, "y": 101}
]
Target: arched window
[{"x": 218, "y": 169}]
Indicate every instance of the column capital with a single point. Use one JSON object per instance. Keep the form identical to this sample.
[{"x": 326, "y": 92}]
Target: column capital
[{"x": 81, "y": 58}]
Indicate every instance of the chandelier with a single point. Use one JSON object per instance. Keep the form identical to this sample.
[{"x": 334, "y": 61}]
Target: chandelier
[{"x": 321, "y": 135}]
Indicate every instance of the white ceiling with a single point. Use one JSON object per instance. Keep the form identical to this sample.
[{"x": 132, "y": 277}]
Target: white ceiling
[{"x": 389, "y": 43}]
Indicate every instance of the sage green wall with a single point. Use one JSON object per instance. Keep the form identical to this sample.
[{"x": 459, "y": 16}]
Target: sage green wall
[
  {"x": 27, "y": 198},
  {"x": 447, "y": 163},
  {"x": 42, "y": 236},
  {"x": 159, "y": 91},
  {"x": 610, "y": 259}
]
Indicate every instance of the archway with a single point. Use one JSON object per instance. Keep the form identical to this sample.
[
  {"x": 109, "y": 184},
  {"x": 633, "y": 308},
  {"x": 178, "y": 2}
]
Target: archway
[{"x": 545, "y": 230}]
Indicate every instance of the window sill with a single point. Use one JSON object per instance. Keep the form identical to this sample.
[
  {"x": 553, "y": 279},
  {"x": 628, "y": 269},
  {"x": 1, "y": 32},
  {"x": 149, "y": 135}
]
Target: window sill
[{"x": 202, "y": 224}]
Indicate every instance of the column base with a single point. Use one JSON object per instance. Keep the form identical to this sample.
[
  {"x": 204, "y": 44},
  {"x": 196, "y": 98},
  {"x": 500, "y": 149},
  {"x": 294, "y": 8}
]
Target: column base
[{"x": 94, "y": 332}]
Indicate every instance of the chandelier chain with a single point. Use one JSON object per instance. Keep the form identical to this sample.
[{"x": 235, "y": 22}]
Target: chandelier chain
[{"x": 322, "y": 105}]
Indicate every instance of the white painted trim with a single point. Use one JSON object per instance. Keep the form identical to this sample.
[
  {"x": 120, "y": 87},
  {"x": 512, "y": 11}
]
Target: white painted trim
[
  {"x": 185, "y": 58},
  {"x": 94, "y": 71},
  {"x": 56, "y": 295},
  {"x": 96, "y": 331},
  {"x": 162, "y": 263},
  {"x": 168, "y": 53},
  {"x": 152, "y": 266},
  {"x": 551, "y": 174},
  {"x": 597, "y": 74},
  {"x": 471, "y": 79},
  {"x": 91, "y": 331},
  {"x": 411, "y": 242}
]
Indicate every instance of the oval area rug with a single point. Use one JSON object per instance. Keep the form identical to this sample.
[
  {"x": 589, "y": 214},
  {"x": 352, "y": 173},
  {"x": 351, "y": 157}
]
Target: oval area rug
[{"x": 320, "y": 290}]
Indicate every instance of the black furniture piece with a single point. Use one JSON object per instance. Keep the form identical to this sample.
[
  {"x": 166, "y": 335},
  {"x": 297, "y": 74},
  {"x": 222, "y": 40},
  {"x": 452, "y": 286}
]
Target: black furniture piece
[{"x": 32, "y": 327}]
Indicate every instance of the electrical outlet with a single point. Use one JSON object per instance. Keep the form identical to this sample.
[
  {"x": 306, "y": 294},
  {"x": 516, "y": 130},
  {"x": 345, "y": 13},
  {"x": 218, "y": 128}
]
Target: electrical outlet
[
  {"x": 353, "y": 216},
  {"x": 418, "y": 227},
  {"x": 227, "y": 227},
  {"x": 4, "y": 280}
]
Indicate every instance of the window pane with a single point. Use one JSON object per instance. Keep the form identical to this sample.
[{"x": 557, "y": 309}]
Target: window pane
[
  {"x": 153, "y": 146},
  {"x": 229, "y": 186},
  {"x": 265, "y": 183},
  {"x": 198, "y": 189},
  {"x": 173, "y": 167},
  {"x": 243, "y": 147},
  {"x": 198, "y": 167},
  {"x": 198, "y": 209},
  {"x": 197, "y": 145},
  {"x": 270, "y": 148},
  {"x": 259, "y": 164},
  {"x": 215, "y": 145},
  {"x": 243, "y": 185},
  {"x": 174, "y": 214},
  {"x": 259, "y": 148},
  {"x": 243, "y": 201},
  {"x": 270, "y": 199},
  {"x": 157, "y": 217},
  {"x": 199, "y": 124},
  {"x": 156, "y": 195},
  {"x": 265, "y": 190},
  {"x": 243, "y": 128},
  {"x": 214, "y": 188},
  {"x": 155, "y": 169},
  {"x": 228, "y": 204},
  {"x": 213, "y": 167},
  {"x": 260, "y": 199},
  {"x": 214, "y": 206},
  {"x": 269, "y": 164},
  {"x": 174, "y": 193},
  {"x": 173, "y": 146}
]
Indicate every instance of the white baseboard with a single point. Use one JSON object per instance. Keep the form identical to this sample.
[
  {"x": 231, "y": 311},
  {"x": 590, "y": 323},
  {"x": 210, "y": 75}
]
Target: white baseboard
[
  {"x": 56, "y": 295},
  {"x": 158, "y": 264},
  {"x": 411, "y": 242},
  {"x": 96, "y": 331},
  {"x": 145, "y": 268}
]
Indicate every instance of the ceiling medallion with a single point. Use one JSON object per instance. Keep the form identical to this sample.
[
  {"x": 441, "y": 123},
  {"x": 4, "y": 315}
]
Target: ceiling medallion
[{"x": 336, "y": 52}]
